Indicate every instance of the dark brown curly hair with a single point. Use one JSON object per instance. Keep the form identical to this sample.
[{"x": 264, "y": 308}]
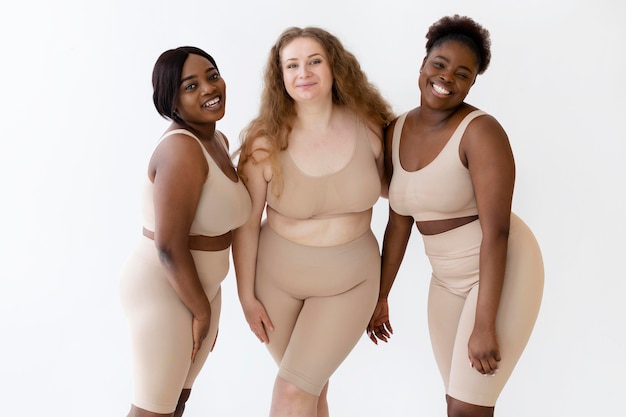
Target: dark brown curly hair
[{"x": 463, "y": 29}]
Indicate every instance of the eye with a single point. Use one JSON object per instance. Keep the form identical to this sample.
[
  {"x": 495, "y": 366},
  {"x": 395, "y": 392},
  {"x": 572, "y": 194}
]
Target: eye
[
  {"x": 214, "y": 76},
  {"x": 462, "y": 75},
  {"x": 290, "y": 66},
  {"x": 189, "y": 87},
  {"x": 316, "y": 61},
  {"x": 437, "y": 64}
]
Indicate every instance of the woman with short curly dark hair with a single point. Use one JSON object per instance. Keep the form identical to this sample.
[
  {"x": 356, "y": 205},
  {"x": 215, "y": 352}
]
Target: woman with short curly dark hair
[{"x": 452, "y": 174}]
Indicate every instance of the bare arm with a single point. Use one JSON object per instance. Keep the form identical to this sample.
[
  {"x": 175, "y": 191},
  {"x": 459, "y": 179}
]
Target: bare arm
[
  {"x": 395, "y": 240},
  {"x": 490, "y": 161},
  {"x": 375, "y": 136},
  {"x": 177, "y": 160},
  {"x": 245, "y": 248}
]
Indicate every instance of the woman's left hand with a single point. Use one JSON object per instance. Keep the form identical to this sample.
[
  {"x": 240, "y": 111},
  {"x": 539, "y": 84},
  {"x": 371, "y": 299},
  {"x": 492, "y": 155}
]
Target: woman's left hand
[
  {"x": 484, "y": 352},
  {"x": 379, "y": 326}
]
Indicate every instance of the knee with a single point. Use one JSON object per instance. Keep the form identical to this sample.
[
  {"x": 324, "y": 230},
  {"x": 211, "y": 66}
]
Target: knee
[
  {"x": 287, "y": 394},
  {"x": 457, "y": 408}
]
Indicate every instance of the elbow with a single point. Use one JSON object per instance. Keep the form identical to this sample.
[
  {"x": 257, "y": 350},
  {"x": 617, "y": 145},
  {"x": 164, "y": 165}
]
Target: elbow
[
  {"x": 165, "y": 254},
  {"x": 168, "y": 252}
]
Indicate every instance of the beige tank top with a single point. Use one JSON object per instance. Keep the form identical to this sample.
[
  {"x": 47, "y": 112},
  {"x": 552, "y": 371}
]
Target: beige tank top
[
  {"x": 353, "y": 189},
  {"x": 440, "y": 190},
  {"x": 224, "y": 204}
]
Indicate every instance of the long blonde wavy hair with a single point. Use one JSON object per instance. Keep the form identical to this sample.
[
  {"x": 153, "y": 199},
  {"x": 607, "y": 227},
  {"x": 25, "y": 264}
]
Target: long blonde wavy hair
[{"x": 351, "y": 88}]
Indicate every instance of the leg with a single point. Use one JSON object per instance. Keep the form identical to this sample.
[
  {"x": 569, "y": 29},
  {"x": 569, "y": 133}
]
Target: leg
[
  {"x": 322, "y": 403},
  {"x": 320, "y": 300},
  {"x": 180, "y": 407},
  {"x": 517, "y": 313},
  {"x": 458, "y": 408},
  {"x": 140, "y": 412},
  {"x": 160, "y": 327},
  {"x": 290, "y": 401},
  {"x": 469, "y": 392}
]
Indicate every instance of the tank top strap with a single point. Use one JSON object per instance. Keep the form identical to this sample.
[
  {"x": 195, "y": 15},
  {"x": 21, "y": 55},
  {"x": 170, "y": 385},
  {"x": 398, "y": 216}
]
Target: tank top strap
[
  {"x": 222, "y": 139},
  {"x": 218, "y": 135},
  {"x": 395, "y": 141},
  {"x": 179, "y": 131},
  {"x": 455, "y": 140}
]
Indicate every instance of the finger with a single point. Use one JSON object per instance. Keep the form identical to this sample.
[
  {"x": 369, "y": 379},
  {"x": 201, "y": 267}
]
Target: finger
[
  {"x": 492, "y": 366},
  {"x": 388, "y": 325},
  {"x": 267, "y": 323},
  {"x": 477, "y": 365},
  {"x": 215, "y": 340},
  {"x": 194, "y": 352},
  {"x": 382, "y": 335},
  {"x": 259, "y": 331},
  {"x": 372, "y": 337},
  {"x": 263, "y": 337}
]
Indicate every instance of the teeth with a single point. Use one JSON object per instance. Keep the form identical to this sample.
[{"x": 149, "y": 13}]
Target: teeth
[
  {"x": 212, "y": 102},
  {"x": 440, "y": 90}
]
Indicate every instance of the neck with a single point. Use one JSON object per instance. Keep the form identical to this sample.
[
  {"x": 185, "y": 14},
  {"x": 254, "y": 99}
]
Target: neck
[
  {"x": 313, "y": 116},
  {"x": 202, "y": 131},
  {"x": 434, "y": 117}
]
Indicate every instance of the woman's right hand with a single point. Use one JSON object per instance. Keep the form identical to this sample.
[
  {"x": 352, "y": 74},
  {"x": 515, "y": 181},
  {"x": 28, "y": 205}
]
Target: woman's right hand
[
  {"x": 199, "y": 330},
  {"x": 257, "y": 319}
]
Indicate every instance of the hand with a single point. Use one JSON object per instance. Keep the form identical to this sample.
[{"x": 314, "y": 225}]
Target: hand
[
  {"x": 484, "y": 352},
  {"x": 257, "y": 319},
  {"x": 199, "y": 331},
  {"x": 379, "y": 326}
]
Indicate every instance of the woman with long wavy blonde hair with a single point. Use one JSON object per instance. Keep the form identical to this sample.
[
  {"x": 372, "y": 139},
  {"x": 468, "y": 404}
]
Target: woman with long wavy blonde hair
[{"x": 308, "y": 274}]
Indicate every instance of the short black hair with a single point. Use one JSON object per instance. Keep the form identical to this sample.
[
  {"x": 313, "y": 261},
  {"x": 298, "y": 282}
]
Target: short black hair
[{"x": 463, "y": 29}]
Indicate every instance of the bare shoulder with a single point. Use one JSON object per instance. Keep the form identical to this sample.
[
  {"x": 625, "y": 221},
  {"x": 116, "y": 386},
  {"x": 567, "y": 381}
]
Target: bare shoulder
[
  {"x": 486, "y": 124},
  {"x": 486, "y": 139},
  {"x": 178, "y": 153},
  {"x": 224, "y": 137},
  {"x": 179, "y": 145}
]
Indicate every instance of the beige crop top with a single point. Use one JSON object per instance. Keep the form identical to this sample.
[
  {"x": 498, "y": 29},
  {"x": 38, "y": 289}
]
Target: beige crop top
[
  {"x": 224, "y": 205},
  {"x": 353, "y": 189},
  {"x": 442, "y": 189}
]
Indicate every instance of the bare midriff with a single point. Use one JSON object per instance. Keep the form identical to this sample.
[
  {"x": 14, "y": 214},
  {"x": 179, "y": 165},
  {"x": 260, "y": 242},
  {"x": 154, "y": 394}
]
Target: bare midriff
[
  {"x": 203, "y": 243},
  {"x": 435, "y": 227},
  {"x": 321, "y": 231}
]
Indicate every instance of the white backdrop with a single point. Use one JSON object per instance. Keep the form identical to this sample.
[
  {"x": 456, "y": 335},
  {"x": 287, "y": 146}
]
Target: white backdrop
[{"x": 78, "y": 126}]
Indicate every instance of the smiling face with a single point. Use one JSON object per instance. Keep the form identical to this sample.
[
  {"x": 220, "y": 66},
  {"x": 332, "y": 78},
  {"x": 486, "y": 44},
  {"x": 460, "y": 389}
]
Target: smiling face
[
  {"x": 306, "y": 71},
  {"x": 447, "y": 74},
  {"x": 202, "y": 92}
]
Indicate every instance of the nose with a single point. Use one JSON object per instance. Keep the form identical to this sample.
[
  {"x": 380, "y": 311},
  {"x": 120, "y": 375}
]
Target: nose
[
  {"x": 304, "y": 71},
  {"x": 445, "y": 75},
  {"x": 207, "y": 88}
]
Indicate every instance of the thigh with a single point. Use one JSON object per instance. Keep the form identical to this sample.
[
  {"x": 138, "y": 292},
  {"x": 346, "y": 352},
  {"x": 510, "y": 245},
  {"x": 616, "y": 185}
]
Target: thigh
[
  {"x": 212, "y": 268},
  {"x": 444, "y": 312},
  {"x": 160, "y": 332},
  {"x": 160, "y": 327},
  {"x": 517, "y": 312},
  {"x": 325, "y": 333},
  {"x": 319, "y": 300},
  {"x": 329, "y": 326}
]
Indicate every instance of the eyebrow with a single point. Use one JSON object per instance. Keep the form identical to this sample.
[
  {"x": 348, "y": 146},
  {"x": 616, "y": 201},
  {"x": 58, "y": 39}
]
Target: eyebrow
[
  {"x": 308, "y": 57},
  {"x": 443, "y": 58},
  {"x": 210, "y": 69}
]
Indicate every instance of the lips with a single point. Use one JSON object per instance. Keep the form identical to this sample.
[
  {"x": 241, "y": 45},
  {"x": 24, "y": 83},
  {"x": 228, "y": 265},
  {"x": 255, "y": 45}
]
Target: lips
[
  {"x": 212, "y": 102},
  {"x": 440, "y": 90}
]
